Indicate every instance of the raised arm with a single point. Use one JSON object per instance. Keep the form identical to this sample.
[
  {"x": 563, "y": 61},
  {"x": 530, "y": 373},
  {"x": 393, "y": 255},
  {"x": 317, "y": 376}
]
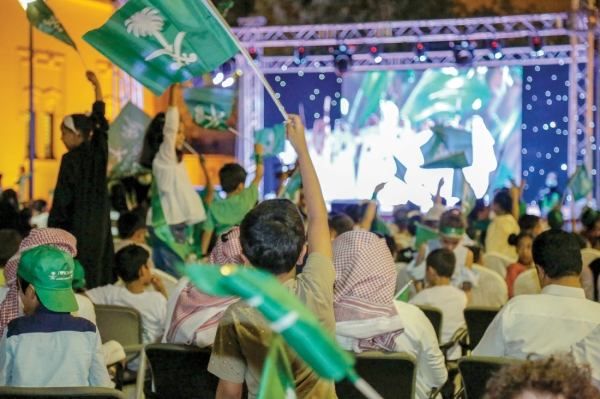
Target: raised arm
[
  {"x": 318, "y": 227},
  {"x": 438, "y": 196},
  {"x": 260, "y": 167},
  {"x": 100, "y": 129},
  {"x": 515, "y": 194},
  {"x": 166, "y": 153},
  {"x": 91, "y": 76},
  {"x": 369, "y": 216},
  {"x": 210, "y": 188}
]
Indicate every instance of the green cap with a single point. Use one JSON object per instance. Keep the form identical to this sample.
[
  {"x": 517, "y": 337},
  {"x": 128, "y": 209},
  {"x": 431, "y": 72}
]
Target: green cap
[
  {"x": 50, "y": 271},
  {"x": 78, "y": 275}
]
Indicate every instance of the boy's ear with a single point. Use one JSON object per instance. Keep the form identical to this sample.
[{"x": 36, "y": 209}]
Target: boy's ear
[{"x": 30, "y": 292}]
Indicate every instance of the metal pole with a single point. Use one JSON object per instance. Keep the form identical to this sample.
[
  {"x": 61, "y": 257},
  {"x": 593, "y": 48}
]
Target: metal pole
[
  {"x": 31, "y": 115},
  {"x": 596, "y": 129}
]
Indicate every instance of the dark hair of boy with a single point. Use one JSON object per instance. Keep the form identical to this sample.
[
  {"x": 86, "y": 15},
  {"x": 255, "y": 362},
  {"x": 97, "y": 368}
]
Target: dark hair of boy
[
  {"x": 129, "y": 261},
  {"x": 9, "y": 244},
  {"x": 442, "y": 261},
  {"x": 558, "y": 253},
  {"x": 355, "y": 212},
  {"x": 528, "y": 222},
  {"x": 504, "y": 201},
  {"x": 231, "y": 176},
  {"x": 340, "y": 223},
  {"x": 452, "y": 219},
  {"x": 129, "y": 223},
  {"x": 39, "y": 205},
  {"x": 272, "y": 236}
]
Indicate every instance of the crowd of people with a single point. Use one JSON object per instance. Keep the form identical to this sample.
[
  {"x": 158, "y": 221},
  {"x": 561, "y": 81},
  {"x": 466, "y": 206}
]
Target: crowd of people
[{"x": 349, "y": 269}]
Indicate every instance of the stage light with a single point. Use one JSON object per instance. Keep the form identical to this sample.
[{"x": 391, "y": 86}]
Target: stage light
[
  {"x": 538, "y": 47},
  {"x": 224, "y": 72},
  {"x": 228, "y": 82},
  {"x": 342, "y": 59},
  {"x": 374, "y": 50},
  {"x": 495, "y": 48},
  {"x": 463, "y": 52},
  {"x": 25, "y": 2},
  {"x": 253, "y": 53},
  {"x": 420, "y": 53},
  {"x": 219, "y": 77},
  {"x": 300, "y": 55}
]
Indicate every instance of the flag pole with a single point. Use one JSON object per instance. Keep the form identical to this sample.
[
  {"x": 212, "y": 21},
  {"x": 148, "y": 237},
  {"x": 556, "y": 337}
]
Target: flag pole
[
  {"x": 31, "y": 115},
  {"x": 217, "y": 15}
]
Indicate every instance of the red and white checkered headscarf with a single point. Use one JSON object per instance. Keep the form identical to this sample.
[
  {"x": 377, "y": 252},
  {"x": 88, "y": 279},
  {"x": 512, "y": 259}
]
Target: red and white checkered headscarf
[
  {"x": 365, "y": 285},
  {"x": 192, "y": 302},
  {"x": 9, "y": 309}
]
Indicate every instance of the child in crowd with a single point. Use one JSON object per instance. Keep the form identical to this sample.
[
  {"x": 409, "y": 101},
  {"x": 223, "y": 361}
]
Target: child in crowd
[
  {"x": 223, "y": 215},
  {"x": 132, "y": 267},
  {"x": 451, "y": 229},
  {"x": 132, "y": 230},
  {"x": 48, "y": 347},
  {"x": 506, "y": 208},
  {"x": 523, "y": 242},
  {"x": 440, "y": 294},
  {"x": 273, "y": 239},
  {"x": 176, "y": 206},
  {"x": 339, "y": 223},
  {"x": 590, "y": 219},
  {"x": 531, "y": 224},
  {"x": 39, "y": 214}
]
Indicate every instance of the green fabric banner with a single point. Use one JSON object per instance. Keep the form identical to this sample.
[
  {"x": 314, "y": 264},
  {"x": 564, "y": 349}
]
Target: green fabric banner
[
  {"x": 580, "y": 183},
  {"x": 160, "y": 43},
  {"x": 42, "y": 17},
  {"x": 277, "y": 380},
  {"x": 272, "y": 139},
  {"x": 448, "y": 148},
  {"x": 424, "y": 234},
  {"x": 209, "y": 106},
  {"x": 293, "y": 186}
]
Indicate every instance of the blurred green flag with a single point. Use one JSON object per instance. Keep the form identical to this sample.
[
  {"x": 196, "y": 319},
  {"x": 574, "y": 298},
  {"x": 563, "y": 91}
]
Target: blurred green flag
[
  {"x": 366, "y": 102},
  {"x": 580, "y": 183},
  {"x": 453, "y": 161},
  {"x": 448, "y": 148},
  {"x": 463, "y": 190},
  {"x": 424, "y": 234},
  {"x": 293, "y": 186},
  {"x": 400, "y": 169},
  {"x": 402, "y": 295},
  {"x": 160, "y": 43},
  {"x": 272, "y": 139},
  {"x": 42, "y": 17},
  {"x": 209, "y": 106},
  {"x": 277, "y": 380},
  {"x": 125, "y": 138},
  {"x": 288, "y": 316}
]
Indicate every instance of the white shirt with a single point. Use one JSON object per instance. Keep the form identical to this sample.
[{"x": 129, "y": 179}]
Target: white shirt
[
  {"x": 496, "y": 239},
  {"x": 452, "y": 302},
  {"x": 587, "y": 351},
  {"x": 419, "y": 340},
  {"x": 151, "y": 305},
  {"x": 86, "y": 308},
  {"x": 544, "y": 324},
  {"x": 180, "y": 202},
  {"x": 40, "y": 220}
]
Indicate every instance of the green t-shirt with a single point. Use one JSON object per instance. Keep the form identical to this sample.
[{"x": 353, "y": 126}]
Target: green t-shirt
[{"x": 225, "y": 214}]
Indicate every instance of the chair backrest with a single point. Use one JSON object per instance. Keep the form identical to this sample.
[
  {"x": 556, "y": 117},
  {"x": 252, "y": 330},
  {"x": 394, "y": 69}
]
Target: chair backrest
[
  {"x": 120, "y": 324},
  {"x": 478, "y": 320},
  {"x": 497, "y": 262},
  {"x": 62, "y": 392},
  {"x": 588, "y": 255},
  {"x": 475, "y": 372},
  {"x": 436, "y": 318},
  {"x": 391, "y": 374},
  {"x": 527, "y": 283},
  {"x": 491, "y": 289},
  {"x": 180, "y": 371}
]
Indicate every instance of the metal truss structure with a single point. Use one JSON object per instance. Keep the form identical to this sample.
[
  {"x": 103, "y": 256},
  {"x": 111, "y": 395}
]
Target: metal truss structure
[{"x": 577, "y": 27}]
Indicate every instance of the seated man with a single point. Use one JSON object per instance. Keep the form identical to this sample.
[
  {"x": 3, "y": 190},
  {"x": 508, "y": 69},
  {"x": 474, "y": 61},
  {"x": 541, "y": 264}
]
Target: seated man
[
  {"x": 550, "y": 322},
  {"x": 272, "y": 237}
]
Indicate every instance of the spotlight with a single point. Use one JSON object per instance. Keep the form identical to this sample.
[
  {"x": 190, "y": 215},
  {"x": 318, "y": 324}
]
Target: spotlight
[
  {"x": 300, "y": 55},
  {"x": 495, "y": 50},
  {"x": 420, "y": 53},
  {"x": 253, "y": 53},
  {"x": 538, "y": 47},
  {"x": 463, "y": 52},
  {"x": 223, "y": 73},
  {"x": 374, "y": 50},
  {"x": 342, "y": 59}
]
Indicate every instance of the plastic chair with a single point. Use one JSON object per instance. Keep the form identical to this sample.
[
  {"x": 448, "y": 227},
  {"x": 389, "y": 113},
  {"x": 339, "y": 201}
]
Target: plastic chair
[
  {"x": 391, "y": 374},
  {"x": 527, "y": 283},
  {"x": 475, "y": 372},
  {"x": 436, "y": 318},
  {"x": 124, "y": 325},
  {"x": 62, "y": 392},
  {"x": 491, "y": 289},
  {"x": 478, "y": 320},
  {"x": 179, "y": 371},
  {"x": 497, "y": 262},
  {"x": 588, "y": 255}
]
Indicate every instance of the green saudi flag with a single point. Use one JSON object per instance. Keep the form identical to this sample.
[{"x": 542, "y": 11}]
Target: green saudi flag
[
  {"x": 288, "y": 316},
  {"x": 424, "y": 234},
  {"x": 277, "y": 380},
  {"x": 404, "y": 292},
  {"x": 580, "y": 183},
  {"x": 160, "y": 43},
  {"x": 448, "y": 148},
  {"x": 452, "y": 161},
  {"x": 42, "y": 17},
  {"x": 125, "y": 138},
  {"x": 209, "y": 106},
  {"x": 293, "y": 186},
  {"x": 272, "y": 139}
]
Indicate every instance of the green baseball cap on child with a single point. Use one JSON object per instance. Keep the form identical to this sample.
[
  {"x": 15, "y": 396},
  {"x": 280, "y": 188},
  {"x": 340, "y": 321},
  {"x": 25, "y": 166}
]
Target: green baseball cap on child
[{"x": 50, "y": 271}]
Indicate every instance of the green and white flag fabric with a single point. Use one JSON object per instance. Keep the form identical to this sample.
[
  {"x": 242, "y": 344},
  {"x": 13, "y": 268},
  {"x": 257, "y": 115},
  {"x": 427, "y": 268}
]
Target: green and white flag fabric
[
  {"x": 42, "y": 17},
  {"x": 288, "y": 316},
  {"x": 580, "y": 183},
  {"x": 160, "y": 43},
  {"x": 448, "y": 148},
  {"x": 463, "y": 190},
  {"x": 452, "y": 161},
  {"x": 272, "y": 139},
  {"x": 209, "y": 106},
  {"x": 125, "y": 138},
  {"x": 277, "y": 380},
  {"x": 293, "y": 186},
  {"x": 424, "y": 234},
  {"x": 400, "y": 170}
]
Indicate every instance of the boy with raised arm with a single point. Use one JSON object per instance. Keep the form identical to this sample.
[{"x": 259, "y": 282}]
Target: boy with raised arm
[{"x": 272, "y": 237}]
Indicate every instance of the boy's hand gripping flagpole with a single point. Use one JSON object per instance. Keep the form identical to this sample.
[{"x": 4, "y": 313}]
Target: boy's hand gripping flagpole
[{"x": 217, "y": 15}]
